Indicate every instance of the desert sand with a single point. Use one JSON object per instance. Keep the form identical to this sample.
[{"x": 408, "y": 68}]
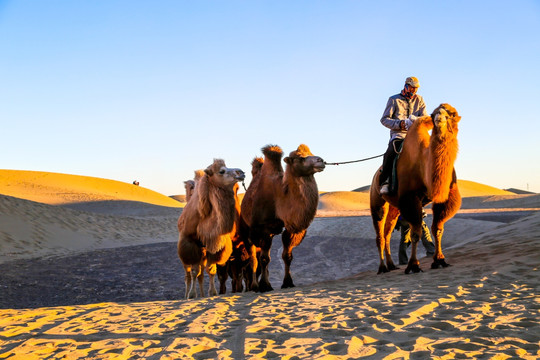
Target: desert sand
[{"x": 80, "y": 245}]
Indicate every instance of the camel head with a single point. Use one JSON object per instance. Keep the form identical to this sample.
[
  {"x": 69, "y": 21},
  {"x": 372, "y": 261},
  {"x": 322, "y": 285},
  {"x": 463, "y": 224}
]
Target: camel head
[
  {"x": 303, "y": 163},
  {"x": 222, "y": 176},
  {"x": 445, "y": 119},
  {"x": 190, "y": 188}
]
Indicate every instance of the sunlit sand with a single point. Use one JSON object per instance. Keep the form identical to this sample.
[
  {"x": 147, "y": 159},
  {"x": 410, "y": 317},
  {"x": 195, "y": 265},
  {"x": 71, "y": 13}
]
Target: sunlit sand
[{"x": 485, "y": 306}]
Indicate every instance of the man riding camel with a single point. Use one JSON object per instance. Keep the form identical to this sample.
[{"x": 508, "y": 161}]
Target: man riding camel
[{"x": 401, "y": 111}]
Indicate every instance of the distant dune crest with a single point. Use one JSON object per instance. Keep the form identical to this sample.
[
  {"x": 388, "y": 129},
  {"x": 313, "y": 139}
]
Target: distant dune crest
[{"x": 63, "y": 189}]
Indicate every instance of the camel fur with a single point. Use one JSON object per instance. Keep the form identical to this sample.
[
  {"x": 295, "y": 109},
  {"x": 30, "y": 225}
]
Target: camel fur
[
  {"x": 208, "y": 224},
  {"x": 425, "y": 173},
  {"x": 278, "y": 202}
]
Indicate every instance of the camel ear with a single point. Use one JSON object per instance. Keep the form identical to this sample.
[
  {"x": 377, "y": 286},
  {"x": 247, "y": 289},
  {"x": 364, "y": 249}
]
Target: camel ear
[
  {"x": 287, "y": 160},
  {"x": 209, "y": 171}
]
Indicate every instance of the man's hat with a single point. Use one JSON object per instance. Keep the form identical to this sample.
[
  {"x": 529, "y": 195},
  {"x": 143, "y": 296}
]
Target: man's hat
[{"x": 412, "y": 81}]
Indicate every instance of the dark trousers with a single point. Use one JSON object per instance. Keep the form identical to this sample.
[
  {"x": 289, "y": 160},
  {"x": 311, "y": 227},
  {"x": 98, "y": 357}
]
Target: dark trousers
[
  {"x": 388, "y": 160},
  {"x": 406, "y": 241}
]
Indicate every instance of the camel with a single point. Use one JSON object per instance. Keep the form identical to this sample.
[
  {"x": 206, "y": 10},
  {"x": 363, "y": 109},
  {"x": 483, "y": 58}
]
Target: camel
[
  {"x": 277, "y": 200},
  {"x": 208, "y": 224},
  {"x": 190, "y": 184},
  {"x": 238, "y": 263},
  {"x": 425, "y": 173}
]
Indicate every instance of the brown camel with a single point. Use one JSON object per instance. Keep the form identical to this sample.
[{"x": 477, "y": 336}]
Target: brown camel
[
  {"x": 237, "y": 261},
  {"x": 208, "y": 224},
  {"x": 238, "y": 264},
  {"x": 275, "y": 200},
  {"x": 425, "y": 173},
  {"x": 190, "y": 184}
]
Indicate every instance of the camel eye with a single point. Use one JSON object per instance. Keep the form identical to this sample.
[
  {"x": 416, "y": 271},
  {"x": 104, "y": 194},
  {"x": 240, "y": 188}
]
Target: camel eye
[{"x": 222, "y": 171}]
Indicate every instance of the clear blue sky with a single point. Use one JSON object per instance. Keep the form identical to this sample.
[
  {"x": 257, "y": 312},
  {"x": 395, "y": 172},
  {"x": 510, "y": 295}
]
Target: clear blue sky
[{"x": 152, "y": 90}]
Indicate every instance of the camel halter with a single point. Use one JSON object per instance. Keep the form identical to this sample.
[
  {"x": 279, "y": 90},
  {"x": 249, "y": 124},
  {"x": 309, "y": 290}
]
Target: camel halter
[{"x": 352, "y": 161}]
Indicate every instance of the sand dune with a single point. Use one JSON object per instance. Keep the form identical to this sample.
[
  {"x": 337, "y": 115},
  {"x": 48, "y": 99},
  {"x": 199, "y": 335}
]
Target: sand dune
[
  {"x": 61, "y": 189},
  {"x": 467, "y": 188},
  {"x": 485, "y": 306},
  {"x": 29, "y": 229},
  {"x": 475, "y": 196}
]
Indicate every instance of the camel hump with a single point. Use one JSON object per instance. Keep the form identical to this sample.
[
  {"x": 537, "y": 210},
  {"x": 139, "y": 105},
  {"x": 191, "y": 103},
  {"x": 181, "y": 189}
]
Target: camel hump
[
  {"x": 423, "y": 122},
  {"x": 198, "y": 175},
  {"x": 272, "y": 152},
  {"x": 272, "y": 157},
  {"x": 256, "y": 165},
  {"x": 302, "y": 151},
  {"x": 450, "y": 109}
]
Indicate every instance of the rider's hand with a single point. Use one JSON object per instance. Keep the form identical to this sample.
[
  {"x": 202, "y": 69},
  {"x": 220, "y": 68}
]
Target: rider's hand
[{"x": 408, "y": 124}]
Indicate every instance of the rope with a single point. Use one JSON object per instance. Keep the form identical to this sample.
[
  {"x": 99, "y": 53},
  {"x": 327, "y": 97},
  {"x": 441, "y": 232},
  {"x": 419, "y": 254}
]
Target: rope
[{"x": 353, "y": 161}]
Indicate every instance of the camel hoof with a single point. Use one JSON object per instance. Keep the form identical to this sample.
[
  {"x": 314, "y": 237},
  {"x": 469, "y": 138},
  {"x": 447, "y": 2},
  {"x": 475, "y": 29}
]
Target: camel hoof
[
  {"x": 392, "y": 267},
  {"x": 382, "y": 269},
  {"x": 439, "y": 263},
  {"x": 413, "y": 268},
  {"x": 287, "y": 285},
  {"x": 287, "y": 282},
  {"x": 265, "y": 287}
]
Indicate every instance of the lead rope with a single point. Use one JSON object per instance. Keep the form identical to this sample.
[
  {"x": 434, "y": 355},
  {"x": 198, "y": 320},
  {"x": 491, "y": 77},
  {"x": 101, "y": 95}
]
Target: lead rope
[{"x": 353, "y": 161}]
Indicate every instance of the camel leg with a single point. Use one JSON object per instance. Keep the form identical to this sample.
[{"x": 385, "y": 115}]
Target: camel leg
[
  {"x": 236, "y": 278},
  {"x": 290, "y": 241},
  {"x": 195, "y": 273},
  {"x": 379, "y": 212},
  {"x": 200, "y": 279},
  {"x": 442, "y": 212},
  {"x": 251, "y": 271},
  {"x": 264, "y": 261},
  {"x": 235, "y": 271},
  {"x": 414, "y": 264},
  {"x": 223, "y": 276},
  {"x": 410, "y": 206},
  {"x": 389, "y": 225},
  {"x": 187, "y": 280},
  {"x": 211, "y": 269}
]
